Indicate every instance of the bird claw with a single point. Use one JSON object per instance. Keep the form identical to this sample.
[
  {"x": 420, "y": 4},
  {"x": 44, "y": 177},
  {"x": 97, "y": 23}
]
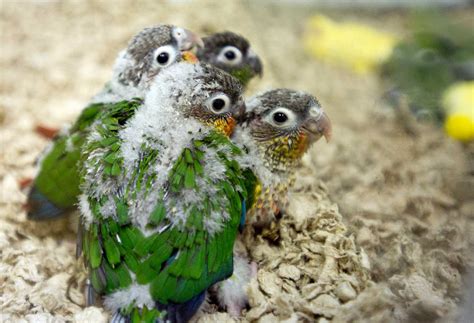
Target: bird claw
[{"x": 46, "y": 132}]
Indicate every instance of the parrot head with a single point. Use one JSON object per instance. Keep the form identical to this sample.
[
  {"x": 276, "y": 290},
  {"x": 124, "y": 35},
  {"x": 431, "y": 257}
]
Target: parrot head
[
  {"x": 220, "y": 103},
  {"x": 201, "y": 92},
  {"x": 232, "y": 53},
  {"x": 152, "y": 50},
  {"x": 283, "y": 124}
]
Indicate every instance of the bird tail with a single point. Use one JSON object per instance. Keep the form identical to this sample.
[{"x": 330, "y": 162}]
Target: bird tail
[
  {"x": 182, "y": 313},
  {"x": 40, "y": 208}
]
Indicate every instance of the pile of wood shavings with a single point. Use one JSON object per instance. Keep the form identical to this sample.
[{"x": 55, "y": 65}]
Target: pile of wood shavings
[
  {"x": 308, "y": 263},
  {"x": 403, "y": 199}
]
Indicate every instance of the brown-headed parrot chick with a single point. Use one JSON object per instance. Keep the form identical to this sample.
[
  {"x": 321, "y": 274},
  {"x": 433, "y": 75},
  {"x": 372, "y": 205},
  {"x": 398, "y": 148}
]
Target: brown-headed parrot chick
[
  {"x": 233, "y": 54},
  {"x": 279, "y": 127},
  {"x": 55, "y": 188}
]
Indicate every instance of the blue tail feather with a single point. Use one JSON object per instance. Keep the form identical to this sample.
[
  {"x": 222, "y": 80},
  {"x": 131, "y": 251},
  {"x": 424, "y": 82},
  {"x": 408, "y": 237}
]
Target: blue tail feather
[
  {"x": 243, "y": 216},
  {"x": 40, "y": 208},
  {"x": 182, "y": 313}
]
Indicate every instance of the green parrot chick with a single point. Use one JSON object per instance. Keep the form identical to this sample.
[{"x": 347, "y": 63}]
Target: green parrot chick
[
  {"x": 232, "y": 53},
  {"x": 163, "y": 195},
  {"x": 56, "y": 187},
  {"x": 147, "y": 53}
]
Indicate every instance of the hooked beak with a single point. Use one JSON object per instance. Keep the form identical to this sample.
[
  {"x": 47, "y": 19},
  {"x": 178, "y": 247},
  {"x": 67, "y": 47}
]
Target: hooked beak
[
  {"x": 189, "y": 40},
  {"x": 256, "y": 65},
  {"x": 319, "y": 126},
  {"x": 240, "y": 112},
  {"x": 189, "y": 57}
]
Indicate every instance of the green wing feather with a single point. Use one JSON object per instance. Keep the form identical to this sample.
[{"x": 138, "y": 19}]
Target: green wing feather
[
  {"x": 179, "y": 262},
  {"x": 58, "y": 179}
]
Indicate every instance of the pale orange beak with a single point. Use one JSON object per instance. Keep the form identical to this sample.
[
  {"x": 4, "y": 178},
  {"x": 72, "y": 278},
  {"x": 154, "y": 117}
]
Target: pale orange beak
[{"x": 320, "y": 126}]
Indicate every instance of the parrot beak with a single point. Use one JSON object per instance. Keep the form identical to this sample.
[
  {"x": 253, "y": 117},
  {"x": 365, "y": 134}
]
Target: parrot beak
[
  {"x": 240, "y": 112},
  {"x": 189, "y": 40},
  {"x": 319, "y": 126},
  {"x": 255, "y": 62},
  {"x": 256, "y": 65},
  {"x": 189, "y": 57}
]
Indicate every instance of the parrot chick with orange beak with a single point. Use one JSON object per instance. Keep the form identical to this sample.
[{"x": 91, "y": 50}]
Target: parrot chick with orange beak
[
  {"x": 55, "y": 189},
  {"x": 279, "y": 127}
]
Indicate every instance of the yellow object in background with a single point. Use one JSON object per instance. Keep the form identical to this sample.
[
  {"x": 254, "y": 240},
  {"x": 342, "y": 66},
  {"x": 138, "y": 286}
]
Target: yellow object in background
[
  {"x": 458, "y": 100},
  {"x": 359, "y": 47}
]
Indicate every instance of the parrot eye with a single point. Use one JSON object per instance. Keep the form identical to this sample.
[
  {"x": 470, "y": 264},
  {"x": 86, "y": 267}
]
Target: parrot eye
[
  {"x": 219, "y": 103},
  {"x": 282, "y": 118},
  {"x": 165, "y": 55},
  {"x": 279, "y": 117},
  {"x": 230, "y": 55}
]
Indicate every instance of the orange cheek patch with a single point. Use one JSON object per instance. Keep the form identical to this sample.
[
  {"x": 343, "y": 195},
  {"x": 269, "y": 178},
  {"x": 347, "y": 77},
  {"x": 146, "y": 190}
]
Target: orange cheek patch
[
  {"x": 225, "y": 125},
  {"x": 302, "y": 144}
]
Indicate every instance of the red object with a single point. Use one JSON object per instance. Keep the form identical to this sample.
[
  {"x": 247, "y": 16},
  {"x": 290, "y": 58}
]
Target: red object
[{"x": 46, "y": 132}]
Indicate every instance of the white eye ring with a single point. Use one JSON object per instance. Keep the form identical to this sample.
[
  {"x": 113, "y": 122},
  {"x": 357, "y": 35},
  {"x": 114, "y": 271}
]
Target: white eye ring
[
  {"x": 230, "y": 55},
  {"x": 219, "y": 103},
  {"x": 165, "y": 55},
  {"x": 277, "y": 118}
]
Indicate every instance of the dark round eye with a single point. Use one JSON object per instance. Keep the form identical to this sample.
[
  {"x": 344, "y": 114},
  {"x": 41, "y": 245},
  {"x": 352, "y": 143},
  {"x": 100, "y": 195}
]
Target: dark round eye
[
  {"x": 163, "y": 58},
  {"x": 280, "y": 117},
  {"x": 230, "y": 55},
  {"x": 218, "y": 104}
]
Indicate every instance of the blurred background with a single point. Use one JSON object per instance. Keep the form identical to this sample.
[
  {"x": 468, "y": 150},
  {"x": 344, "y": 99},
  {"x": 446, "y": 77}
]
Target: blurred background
[{"x": 396, "y": 79}]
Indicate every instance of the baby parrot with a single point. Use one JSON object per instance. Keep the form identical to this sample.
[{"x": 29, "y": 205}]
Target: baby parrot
[
  {"x": 232, "y": 53},
  {"x": 56, "y": 187},
  {"x": 163, "y": 195},
  {"x": 279, "y": 127}
]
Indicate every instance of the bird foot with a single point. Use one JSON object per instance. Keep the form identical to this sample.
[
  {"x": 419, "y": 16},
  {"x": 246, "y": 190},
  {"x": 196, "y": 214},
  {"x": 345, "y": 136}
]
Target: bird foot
[
  {"x": 234, "y": 309},
  {"x": 46, "y": 132},
  {"x": 253, "y": 269},
  {"x": 24, "y": 182}
]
